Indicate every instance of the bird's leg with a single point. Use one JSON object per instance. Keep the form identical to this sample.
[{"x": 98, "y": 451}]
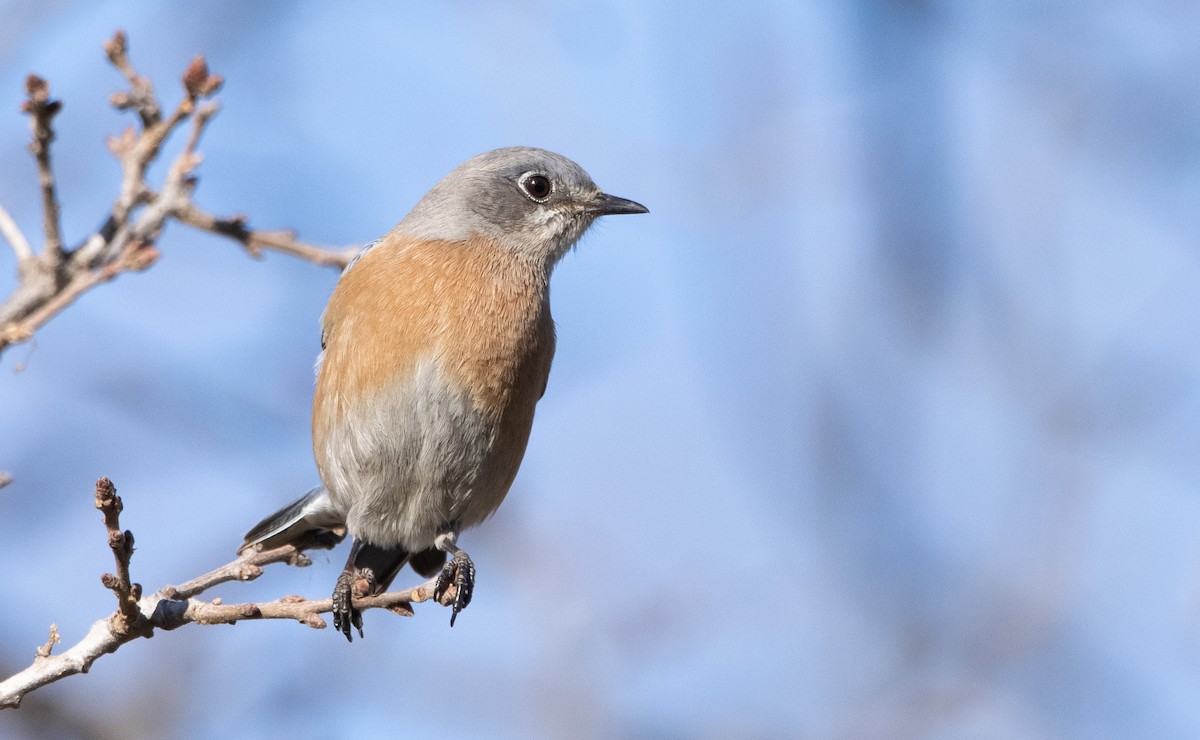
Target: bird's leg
[
  {"x": 345, "y": 614},
  {"x": 459, "y": 570},
  {"x": 369, "y": 570}
]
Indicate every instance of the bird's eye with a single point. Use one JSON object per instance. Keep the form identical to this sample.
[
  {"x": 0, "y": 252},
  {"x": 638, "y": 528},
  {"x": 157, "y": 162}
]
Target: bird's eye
[{"x": 536, "y": 186}]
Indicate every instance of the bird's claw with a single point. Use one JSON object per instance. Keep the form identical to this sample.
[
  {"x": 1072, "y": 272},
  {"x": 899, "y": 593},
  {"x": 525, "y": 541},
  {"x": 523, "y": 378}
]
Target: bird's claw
[
  {"x": 345, "y": 614},
  {"x": 459, "y": 571}
]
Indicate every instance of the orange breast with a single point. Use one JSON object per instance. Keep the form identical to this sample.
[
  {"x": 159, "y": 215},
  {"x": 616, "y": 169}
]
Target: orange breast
[{"x": 477, "y": 311}]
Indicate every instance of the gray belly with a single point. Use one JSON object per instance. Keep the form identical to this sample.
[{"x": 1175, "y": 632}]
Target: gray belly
[{"x": 413, "y": 460}]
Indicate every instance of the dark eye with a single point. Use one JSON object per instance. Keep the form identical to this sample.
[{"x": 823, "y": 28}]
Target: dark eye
[{"x": 537, "y": 187}]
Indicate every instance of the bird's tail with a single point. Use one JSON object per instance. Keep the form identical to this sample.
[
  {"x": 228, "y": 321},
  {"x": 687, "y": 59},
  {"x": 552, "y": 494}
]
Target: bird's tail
[{"x": 312, "y": 514}]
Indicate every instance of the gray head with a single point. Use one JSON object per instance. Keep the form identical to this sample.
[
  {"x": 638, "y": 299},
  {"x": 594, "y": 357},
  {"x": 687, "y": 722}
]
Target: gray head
[{"x": 532, "y": 201}]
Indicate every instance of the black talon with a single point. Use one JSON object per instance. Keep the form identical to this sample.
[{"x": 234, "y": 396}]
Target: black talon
[
  {"x": 373, "y": 564},
  {"x": 345, "y": 615},
  {"x": 460, "y": 571}
]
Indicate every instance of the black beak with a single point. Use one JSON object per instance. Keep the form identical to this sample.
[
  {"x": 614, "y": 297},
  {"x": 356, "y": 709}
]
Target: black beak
[{"x": 609, "y": 205}]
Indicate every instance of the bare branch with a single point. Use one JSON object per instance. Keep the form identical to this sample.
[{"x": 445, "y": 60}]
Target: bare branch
[
  {"x": 54, "y": 280},
  {"x": 137, "y": 151},
  {"x": 255, "y": 242},
  {"x": 140, "y": 97},
  {"x": 172, "y": 607},
  {"x": 16, "y": 239},
  {"x": 128, "y": 616},
  {"x": 42, "y": 110}
]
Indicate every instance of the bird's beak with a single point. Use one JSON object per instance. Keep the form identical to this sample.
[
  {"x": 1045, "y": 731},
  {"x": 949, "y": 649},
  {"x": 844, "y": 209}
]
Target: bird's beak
[{"x": 607, "y": 205}]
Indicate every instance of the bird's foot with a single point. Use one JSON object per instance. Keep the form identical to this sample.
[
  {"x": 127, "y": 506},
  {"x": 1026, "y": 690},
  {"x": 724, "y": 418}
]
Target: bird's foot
[
  {"x": 459, "y": 572},
  {"x": 350, "y": 584}
]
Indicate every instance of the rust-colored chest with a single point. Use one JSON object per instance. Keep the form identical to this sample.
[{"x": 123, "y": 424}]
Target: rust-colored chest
[{"x": 475, "y": 311}]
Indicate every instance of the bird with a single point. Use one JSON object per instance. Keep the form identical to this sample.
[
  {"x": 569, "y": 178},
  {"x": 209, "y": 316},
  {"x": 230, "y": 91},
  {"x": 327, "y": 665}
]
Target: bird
[{"x": 436, "y": 346}]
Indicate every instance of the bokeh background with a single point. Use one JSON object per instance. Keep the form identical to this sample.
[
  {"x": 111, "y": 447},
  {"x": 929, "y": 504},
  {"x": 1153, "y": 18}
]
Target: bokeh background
[{"x": 883, "y": 423}]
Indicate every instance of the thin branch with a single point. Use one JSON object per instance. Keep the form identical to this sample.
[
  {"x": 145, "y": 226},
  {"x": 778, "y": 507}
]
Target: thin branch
[
  {"x": 137, "y": 151},
  {"x": 140, "y": 97},
  {"x": 284, "y": 242},
  {"x": 203, "y": 115},
  {"x": 12, "y": 234},
  {"x": 121, "y": 542},
  {"x": 42, "y": 110},
  {"x": 54, "y": 639},
  {"x": 172, "y": 607}
]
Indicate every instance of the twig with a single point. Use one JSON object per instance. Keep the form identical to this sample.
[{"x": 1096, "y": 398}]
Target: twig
[
  {"x": 42, "y": 110},
  {"x": 54, "y": 639},
  {"x": 12, "y": 234},
  {"x": 137, "y": 151},
  {"x": 284, "y": 242},
  {"x": 128, "y": 616},
  {"x": 141, "y": 93},
  {"x": 172, "y": 607}
]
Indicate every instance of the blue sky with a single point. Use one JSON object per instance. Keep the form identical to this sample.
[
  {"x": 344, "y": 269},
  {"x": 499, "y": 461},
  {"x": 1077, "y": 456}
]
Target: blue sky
[{"x": 882, "y": 423}]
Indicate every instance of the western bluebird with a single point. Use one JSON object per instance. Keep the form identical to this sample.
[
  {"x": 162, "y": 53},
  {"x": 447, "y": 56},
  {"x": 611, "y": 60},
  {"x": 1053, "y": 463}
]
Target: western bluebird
[{"x": 436, "y": 346}]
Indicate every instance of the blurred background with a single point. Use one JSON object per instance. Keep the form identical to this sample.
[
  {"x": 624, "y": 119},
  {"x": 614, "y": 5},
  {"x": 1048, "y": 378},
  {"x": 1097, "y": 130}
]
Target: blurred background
[{"x": 883, "y": 422}]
